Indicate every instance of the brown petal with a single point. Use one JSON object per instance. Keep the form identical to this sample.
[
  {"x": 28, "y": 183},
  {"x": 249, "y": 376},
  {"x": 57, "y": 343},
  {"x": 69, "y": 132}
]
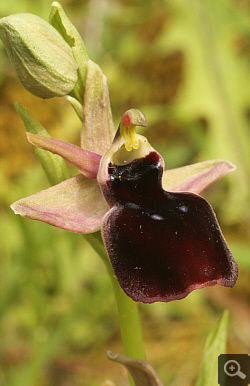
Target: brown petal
[{"x": 162, "y": 245}]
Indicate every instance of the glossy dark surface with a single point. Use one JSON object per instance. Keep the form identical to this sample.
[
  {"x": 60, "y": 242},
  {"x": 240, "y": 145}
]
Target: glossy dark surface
[{"x": 162, "y": 245}]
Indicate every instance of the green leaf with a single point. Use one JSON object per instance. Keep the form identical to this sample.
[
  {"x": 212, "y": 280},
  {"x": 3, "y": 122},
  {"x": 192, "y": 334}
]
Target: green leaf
[
  {"x": 63, "y": 25},
  {"x": 53, "y": 165},
  {"x": 215, "y": 345}
]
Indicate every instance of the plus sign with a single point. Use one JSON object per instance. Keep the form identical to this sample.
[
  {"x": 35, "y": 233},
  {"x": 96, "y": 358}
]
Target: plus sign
[{"x": 231, "y": 368}]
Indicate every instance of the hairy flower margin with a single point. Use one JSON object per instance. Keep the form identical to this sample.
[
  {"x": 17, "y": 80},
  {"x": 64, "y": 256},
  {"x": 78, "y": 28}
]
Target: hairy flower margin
[{"x": 179, "y": 247}]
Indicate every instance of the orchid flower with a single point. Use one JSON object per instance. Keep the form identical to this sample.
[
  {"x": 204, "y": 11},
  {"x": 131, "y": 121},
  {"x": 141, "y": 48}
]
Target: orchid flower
[{"x": 162, "y": 237}]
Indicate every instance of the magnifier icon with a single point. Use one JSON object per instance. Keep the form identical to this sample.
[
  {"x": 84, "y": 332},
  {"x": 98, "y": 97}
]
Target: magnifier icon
[{"x": 234, "y": 368}]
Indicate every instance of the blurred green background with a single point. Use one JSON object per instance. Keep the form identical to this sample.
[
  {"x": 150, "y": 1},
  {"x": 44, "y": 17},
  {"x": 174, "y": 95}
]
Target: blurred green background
[{"x": 185, "y": 64}]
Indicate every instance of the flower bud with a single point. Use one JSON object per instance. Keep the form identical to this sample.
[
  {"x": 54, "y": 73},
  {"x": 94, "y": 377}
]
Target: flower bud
[{"x": 42, "y": 59}]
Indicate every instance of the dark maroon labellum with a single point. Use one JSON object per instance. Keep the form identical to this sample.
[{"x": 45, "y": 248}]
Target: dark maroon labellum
[{"x": 162, "y": 245}]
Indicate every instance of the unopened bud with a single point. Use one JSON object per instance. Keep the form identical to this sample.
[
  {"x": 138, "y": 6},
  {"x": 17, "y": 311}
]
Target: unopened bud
[{"x": 42, "y": 59}]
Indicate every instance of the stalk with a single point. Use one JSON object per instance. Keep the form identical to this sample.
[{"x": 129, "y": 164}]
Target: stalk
[{"x": 128, "y": 312}]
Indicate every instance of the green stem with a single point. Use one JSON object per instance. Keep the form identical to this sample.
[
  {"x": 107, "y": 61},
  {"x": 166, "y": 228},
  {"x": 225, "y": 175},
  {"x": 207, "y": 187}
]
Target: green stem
[{"x": 129, "y": 321}]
